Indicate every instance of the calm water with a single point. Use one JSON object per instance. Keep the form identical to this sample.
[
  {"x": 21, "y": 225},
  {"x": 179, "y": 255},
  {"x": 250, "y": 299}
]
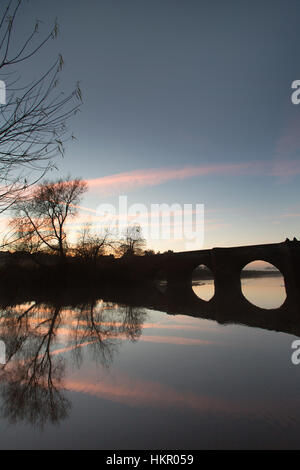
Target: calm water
[{"x": 102, "y": 375}]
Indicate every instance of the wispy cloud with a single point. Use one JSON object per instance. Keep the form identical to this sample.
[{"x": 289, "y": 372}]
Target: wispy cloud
[
  {"x": 137, "y": 179},
  {"x": 142, "y": 178},
  {"x": 292, "y": 214}
]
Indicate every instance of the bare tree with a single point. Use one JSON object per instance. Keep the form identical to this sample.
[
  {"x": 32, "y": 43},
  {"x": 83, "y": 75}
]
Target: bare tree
[
  {"x": 92, "y": 245},
  {"x": 33, "y": 119},
  {"x": 23, "y": 237},
  {"x": 133, "y": 241},
  {"x": 44, "y": 214}
]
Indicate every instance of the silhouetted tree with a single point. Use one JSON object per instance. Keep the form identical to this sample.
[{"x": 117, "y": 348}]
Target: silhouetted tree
[
  {"x": 133, "y": 241},
  {"x": 43, "y": 215},
  {"x": 92, "y": 245},
  {"x": 149, "y": 252},
  {"x": 22, "y": 238},
  {"x": 33, "y": 119}
]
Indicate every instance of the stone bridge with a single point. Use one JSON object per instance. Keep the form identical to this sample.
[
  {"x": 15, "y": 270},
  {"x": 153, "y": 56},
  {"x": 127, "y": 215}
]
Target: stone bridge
[{"x": 226, "y": 265}]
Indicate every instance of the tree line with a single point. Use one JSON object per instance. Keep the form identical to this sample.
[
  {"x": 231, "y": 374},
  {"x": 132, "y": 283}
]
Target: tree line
[{"x": 39, "y": 224}]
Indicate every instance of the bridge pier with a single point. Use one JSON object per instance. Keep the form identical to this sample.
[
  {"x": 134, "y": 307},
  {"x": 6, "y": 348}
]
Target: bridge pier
[
  {"x": 292, "y": 276},
  {"x": 227, "y": 278}
]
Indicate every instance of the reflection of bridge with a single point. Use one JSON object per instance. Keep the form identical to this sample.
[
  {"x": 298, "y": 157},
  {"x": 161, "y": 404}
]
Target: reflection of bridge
[
  {"x": 181, "y": 300},
  {"x": 176, "y": 300}
]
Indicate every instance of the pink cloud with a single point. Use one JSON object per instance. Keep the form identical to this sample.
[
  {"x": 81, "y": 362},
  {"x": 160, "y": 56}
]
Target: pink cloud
[
  {"x": 292, "y": 214},
  {"x": 151, "y": 177}
]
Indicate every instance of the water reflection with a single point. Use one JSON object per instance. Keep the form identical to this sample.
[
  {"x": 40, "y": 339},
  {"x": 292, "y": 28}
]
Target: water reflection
[
  {"x": 123, "y": 350},
  {"x": 32, "y": 380},
  {"x": 268, "y": 293},
  {"x": 204, "y": 289}
]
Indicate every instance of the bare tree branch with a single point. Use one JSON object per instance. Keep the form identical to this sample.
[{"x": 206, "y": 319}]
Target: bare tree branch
[{"x": 33, "y": 121}]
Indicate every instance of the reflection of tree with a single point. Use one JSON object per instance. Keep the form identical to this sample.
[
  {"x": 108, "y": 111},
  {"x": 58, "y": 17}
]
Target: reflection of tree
[
  {"x": 103, "y": 326},
  {"x": 133, "y": 319},
  {"x": 33, "y": 399},
  {"x": 31, "y": 382}
]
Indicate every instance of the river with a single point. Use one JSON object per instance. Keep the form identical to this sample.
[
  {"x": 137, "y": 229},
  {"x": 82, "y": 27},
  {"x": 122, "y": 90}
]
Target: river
[{"x": 105, "y": 375}]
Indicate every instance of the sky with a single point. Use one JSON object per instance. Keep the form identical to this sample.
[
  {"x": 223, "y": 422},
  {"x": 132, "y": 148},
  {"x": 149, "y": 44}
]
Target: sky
[{"x": 185, "y": 102}]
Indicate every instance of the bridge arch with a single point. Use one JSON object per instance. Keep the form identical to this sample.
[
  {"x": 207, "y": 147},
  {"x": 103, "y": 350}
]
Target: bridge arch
[
  {"x": 203, "y": 282},
  {"x": 263, "y": 285}
]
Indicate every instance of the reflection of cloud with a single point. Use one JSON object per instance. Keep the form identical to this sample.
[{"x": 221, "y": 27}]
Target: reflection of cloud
[
  {"x": 72, "y": 347},
  {"x": 178, "y": 340},
  {"x": 136, "y": 392},
  {"x": 71, "y": 328},
  {"x": 12, "y": 364}
]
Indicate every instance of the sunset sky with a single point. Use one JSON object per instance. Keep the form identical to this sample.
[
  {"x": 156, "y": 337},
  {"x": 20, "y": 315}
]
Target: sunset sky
[{"x": 184, "y": 102}]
